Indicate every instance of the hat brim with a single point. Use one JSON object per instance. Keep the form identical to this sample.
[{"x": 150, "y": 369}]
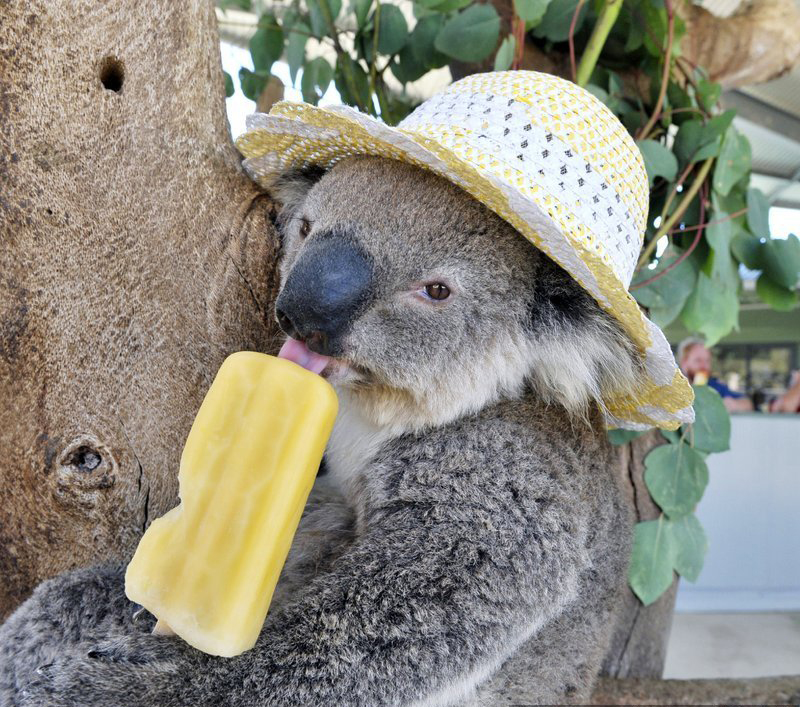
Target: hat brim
[{"x": 296, "y": 136}]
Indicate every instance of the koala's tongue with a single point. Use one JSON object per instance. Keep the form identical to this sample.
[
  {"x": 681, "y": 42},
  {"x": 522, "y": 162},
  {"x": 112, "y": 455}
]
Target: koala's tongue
[{"x": 297, "y": 352}]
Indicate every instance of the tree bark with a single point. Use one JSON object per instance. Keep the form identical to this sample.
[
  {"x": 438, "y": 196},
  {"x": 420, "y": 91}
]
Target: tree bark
[
  {"x": 639, "y": 645},
  {"x": 134, "y": 255}
]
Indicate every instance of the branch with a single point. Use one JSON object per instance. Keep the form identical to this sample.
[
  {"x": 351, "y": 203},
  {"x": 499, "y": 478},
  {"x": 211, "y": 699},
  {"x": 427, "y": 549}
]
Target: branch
[
  {"x": 572, "y": 39},
  {"x": 665, "y": 73},
  {"x": 667, "y": 225},
  {"x": 602, "y": 28},
  {"x": 687, "y": 252}
]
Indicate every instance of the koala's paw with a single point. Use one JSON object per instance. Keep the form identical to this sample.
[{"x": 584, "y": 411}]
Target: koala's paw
[{"x": 139, "y": 670}]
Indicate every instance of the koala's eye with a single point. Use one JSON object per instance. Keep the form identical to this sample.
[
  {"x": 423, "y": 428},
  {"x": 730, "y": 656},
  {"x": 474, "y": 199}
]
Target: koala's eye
[
  {"x": 437, "y": 291},
  {"x": 305, "y": 228}
]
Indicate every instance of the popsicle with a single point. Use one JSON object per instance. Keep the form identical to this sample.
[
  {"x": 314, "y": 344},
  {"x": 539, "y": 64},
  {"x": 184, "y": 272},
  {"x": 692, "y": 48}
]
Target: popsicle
[{"x": 207, "y": 568}]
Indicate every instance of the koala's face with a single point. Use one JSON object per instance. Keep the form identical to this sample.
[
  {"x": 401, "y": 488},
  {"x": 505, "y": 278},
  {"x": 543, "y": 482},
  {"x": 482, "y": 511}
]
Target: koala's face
[{"x": 421, "y": 294}]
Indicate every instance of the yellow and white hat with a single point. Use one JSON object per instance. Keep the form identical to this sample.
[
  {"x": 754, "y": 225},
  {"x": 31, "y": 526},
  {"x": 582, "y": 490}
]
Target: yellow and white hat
[{"x": 542, "y": 153}]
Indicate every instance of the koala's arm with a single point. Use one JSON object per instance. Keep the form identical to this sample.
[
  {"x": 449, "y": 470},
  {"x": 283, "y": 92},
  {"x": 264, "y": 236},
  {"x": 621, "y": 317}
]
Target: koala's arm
[{"x": 465, "y": 553}]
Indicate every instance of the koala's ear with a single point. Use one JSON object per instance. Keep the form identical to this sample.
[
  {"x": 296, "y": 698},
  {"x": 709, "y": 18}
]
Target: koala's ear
[{"x": 291, "y": 189}]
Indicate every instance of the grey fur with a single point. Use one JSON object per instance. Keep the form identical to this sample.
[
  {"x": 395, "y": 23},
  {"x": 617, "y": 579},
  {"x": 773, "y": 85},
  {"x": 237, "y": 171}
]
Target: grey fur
[{"x": 470, "y": 540}]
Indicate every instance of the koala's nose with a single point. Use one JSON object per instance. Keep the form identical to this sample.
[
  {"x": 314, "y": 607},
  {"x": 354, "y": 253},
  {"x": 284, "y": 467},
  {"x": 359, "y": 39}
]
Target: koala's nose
[{"x": 327, "y": 287}]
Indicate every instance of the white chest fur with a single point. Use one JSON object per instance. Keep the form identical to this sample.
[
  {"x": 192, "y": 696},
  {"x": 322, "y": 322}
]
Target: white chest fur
[{"x": 353, "y": 444}]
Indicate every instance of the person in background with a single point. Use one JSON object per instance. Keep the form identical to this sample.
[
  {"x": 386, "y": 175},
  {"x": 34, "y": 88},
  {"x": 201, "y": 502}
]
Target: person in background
[
  {"x": 790, "y": 400},
  {"x": 694, "y": 359}
]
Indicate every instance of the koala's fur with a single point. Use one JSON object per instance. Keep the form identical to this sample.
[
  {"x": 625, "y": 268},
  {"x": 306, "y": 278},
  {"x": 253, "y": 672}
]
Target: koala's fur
[{"x": 468, "y": 543}]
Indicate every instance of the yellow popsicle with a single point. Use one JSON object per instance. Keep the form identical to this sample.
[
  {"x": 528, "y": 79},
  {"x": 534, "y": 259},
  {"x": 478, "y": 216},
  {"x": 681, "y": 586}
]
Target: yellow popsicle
[{"x": 209, "y": 566}]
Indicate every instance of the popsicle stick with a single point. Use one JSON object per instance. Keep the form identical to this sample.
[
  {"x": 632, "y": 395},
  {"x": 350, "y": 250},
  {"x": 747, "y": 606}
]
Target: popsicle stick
[{"x": 162, "y": 629}]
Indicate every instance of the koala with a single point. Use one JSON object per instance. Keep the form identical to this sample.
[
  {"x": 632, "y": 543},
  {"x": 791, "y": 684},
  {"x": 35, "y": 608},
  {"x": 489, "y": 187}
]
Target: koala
[{"x": 468, "y": 541}]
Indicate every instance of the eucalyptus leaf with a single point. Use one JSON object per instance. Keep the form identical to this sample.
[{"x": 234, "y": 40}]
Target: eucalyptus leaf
[
  {"x": 252, "y": 83},
  {"x": 711, "y": 310},
  {"x": 296, "y": 48},
  {"x": 266, "y": 44},
  {"x": 323, "y": 14},
  {"x": 422, "y": 41},
  {"x": 505, "y": 54},
  {"x": 531, "y": 10},
  {"x": 471, "y": 35},
  {"x": 776, "y": 296},
  {"x": 734, "y": 161},
  {"x": 757, "y": 213},
  {"x": 361, "y": 11},
  {"x": 658, "y": 161},
  {"x": 690, "y": 543},
  {"x": 782, "y": 260},
  {"x": 557, "y": 19},
  {"x": 708, "y": 93},
  {"x": 652, "y": 560},
  {"x": 352, "y": 82},
  {"x": 393, "y": 29},
  {"x": 407, "y": 67},
  {"x": 666, "y": 296},
  {"x": 317, "y": 76},
  {"x": 620, "y": 437},
  {"x": 450, "y": 5},
  {"x": 749, "y": 250},
  {"x": 676, "y": 476},
  {"x": 229, "y": 88},
  {"x": 711, "y": 430}
]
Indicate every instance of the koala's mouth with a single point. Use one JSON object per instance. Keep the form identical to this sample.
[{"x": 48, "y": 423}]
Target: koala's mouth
[
  {"x": 330, "y": 367},
  {"x": 299, "y": 353}
]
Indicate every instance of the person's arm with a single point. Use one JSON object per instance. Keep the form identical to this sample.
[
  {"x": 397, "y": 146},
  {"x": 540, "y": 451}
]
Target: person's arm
[
  {"x": 743, "y": 404},
  {"x": 790, "y": 400}
]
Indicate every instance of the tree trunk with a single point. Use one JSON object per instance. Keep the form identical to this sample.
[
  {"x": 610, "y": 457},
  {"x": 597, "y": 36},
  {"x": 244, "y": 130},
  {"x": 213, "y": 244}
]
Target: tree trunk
[
  {"x": 134, "y": 255},
  {"x": 639, "y": 645}
]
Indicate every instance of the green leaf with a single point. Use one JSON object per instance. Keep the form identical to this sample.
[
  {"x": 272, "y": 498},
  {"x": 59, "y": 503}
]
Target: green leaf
[
  {"x": 531, "y": 10},
  {"x": 652, "y": 560},
  {"x": 710, "y": 310},
  {"x": 676, "y": 476},
  {"x": 407, "y": 67},
  {"x": 708, "y": 93},
  {"x": 296, "y": 48},
  {"x": 229, "y": 89},
  {"x": 749, "y": 250},
  {"x": 690, "y": 544},
  {"x": 672, "y": 436},
  {"x": 505, "y": 54},
  {"x": 422, "y": 41},
  {"x": 620, "y": 437},
  {"x": 720, "y": 231},
  {"x": 757, "y": 213},
  {"x": 266, "y": 45},
  {"x": 317, "y": 75},
  {"x": 711, "y": 431},
  {"x": 361, "y": 10},
  {"x": 775, "y": 295},
  {"x": 355, "y": 93},
  {"x": 782, "y": 260},
  {"x": 734, "y": 161},
  {"x": 658, "y": 161},
  {"x": 320, "y": 11},
  {"x": 471, "y": 35},
  {"x": 392, "y": 29},
  {"x": 666, "y": 297},
  {"x": 252, "y": 83},
  {"x": 557, "y": 19},
  {"x": 450, "y": 5}
]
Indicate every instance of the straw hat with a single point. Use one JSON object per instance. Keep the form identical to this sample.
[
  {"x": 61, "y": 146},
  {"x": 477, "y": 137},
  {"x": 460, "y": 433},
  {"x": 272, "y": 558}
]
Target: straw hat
[{"x": 542, "y": 153}]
